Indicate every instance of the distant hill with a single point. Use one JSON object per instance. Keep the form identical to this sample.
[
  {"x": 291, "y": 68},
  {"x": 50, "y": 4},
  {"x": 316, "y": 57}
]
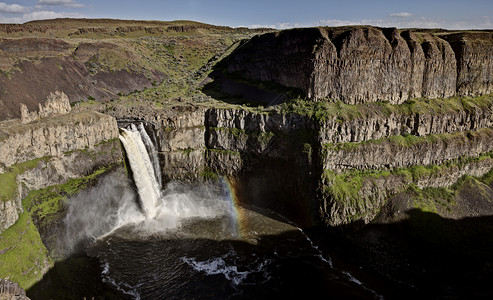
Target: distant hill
[{"x": 103, "y": 59}]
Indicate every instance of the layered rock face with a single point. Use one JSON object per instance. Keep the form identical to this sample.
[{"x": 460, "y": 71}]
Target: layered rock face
[
  {"x": 474, "y": 54},
  {"x": 378, "y": 154},
  {"x": 53, "y": 137},
  {"x": 406, "y": 152},
  {"x": 252, "y": 149},
  {"x": 367, "y": 64},
  {"x": 51, "y": 151}
]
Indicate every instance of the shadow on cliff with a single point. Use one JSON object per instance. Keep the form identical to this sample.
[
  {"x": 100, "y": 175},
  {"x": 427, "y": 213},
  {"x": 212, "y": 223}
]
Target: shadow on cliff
[
  {"x": 438, "y": 257},
  {"x": 236, "y": 91}
]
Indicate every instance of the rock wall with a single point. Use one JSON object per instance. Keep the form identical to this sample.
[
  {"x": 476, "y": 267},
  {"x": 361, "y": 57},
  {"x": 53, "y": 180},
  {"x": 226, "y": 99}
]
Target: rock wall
[
  {"x": 474, "y": 54},
  {"x": 283, "y": 157},
  {"x": 378, "y": 125},
  {"x": 53, "y": 136},
  {"x": 366, "y": 64},
  {"x": 251, "y": 148},
  {"x": 51, "y": 151},
  {"x": 57, "y": 103},
  {"x": 374, "y": 191},
  {"x": 11, "y": 290},
  {"x": 407, "y": 151}
]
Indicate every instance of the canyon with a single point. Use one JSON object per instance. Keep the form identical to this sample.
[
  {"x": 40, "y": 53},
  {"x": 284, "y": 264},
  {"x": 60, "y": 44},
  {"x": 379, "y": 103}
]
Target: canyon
[{"x": 367, "y": 130}]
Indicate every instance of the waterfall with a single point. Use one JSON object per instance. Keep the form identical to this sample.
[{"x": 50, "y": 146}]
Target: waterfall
[
  {"x": 145, "y": 177},
  {"x": 151, "y": 149}
]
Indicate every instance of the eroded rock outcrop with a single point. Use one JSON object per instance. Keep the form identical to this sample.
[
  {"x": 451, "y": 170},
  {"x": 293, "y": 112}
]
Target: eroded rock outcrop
[
  {"x": 53, "y": 136},
  {"x": 11, "y": 291},
  {"x": 366, "y": 64},
  {"x": 474, "y": 54},
  {"x": 57, "y": 103}
]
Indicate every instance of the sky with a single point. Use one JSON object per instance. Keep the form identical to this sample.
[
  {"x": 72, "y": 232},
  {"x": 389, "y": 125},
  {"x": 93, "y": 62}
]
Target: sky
[{"x": 448, "y": 14}]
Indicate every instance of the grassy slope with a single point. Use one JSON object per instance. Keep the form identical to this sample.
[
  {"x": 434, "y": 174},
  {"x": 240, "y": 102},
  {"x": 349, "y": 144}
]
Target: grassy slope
[{"x": 24, "y": 257}]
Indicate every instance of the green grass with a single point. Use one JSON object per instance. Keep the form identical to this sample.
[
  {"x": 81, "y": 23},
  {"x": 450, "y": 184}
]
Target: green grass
[
  {"x": 38, "y": 198},
  {"x": 26, "y": 258},
  {"x": 209, "y": 175},
  {"x": 188, "y": 151},
  {"x": 345, "y": 187},
  {"x": 433, "y": 199},
  {"x": 328, "y": 109},
  {"x": 487, "y": 178},
  {"x": 236, "y": 132},
  {"x": 407, "y": 140},
  {"x": 8, "y": 182}
]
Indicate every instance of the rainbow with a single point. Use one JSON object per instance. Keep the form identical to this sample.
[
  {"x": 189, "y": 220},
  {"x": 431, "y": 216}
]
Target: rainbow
[{"x": 238, "y": 217}]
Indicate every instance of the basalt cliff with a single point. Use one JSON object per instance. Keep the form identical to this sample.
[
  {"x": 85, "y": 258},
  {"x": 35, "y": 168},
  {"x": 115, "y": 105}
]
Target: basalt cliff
[
  {"x": 367, "y": 64},
  {"x": 381, "y": 136}
]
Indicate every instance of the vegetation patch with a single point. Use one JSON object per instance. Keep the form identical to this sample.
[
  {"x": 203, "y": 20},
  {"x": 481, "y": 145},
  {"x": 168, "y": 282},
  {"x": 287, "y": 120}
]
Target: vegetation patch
[
  {"x": 432, "y": 199},
  {"x": 45, "y": 203},
  {"x": 347, "y": 188},
  {"x": 24, "y": 258},
  {"x": 330, "y": 109},
  {"x": 8, "y": 180},
  {"x": 407, "y": 140},
  {"x": 209, "y": 175}
]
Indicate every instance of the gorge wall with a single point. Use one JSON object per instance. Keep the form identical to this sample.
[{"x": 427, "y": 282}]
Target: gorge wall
[
  {"x": 340, "y": 168},
  {"x": 50, "y": 151},
  {"x": 45, "y": 158},
  {"x": 364, "y": 64}
]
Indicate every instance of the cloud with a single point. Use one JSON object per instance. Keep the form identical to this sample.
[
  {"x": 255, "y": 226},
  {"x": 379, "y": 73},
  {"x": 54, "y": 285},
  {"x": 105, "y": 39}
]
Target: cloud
[
  {"x": 334, "y": 23},
  {"x": 44, "y": 9},
  {"x": 485, "y": 22},
  {"x": 65, "y": 3},
  {"x": 402, "y": 15},
  {"x": 39, "y": 15},
  {"x": 12, "y": 8}
]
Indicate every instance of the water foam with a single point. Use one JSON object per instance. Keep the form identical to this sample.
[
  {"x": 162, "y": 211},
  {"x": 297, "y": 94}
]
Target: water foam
[
  {"x": 120, "y": 286},
  {"x": 220, "y": 265},
  {"x": 111, "y": 204}
]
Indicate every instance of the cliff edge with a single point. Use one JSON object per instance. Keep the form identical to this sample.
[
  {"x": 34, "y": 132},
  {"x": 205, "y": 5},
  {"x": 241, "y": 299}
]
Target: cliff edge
[{"x": 361, "y": 64}]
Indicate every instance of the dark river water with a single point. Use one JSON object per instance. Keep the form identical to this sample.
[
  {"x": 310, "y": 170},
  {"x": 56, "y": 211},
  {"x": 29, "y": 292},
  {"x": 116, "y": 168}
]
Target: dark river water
[
  {"x": 191, "y": 240},
  {"x": 208, "y": 259}
]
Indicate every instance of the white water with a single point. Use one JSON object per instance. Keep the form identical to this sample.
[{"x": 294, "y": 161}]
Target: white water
[
  {"x": 140, "y": 163},
  {"x": 151, "y": 149},
  {"x": 113, "y": 203}
]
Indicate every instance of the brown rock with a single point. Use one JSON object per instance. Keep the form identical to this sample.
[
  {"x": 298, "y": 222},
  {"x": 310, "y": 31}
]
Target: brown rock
[{"x": 365, "y": 64}]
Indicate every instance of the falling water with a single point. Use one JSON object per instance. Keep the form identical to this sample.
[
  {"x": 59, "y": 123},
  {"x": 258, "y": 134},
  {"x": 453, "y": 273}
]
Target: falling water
[
  {"x": 184, "y": 241},
  {"x": 151, "y": 149},
  {"x": 144, "y": 175}
]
